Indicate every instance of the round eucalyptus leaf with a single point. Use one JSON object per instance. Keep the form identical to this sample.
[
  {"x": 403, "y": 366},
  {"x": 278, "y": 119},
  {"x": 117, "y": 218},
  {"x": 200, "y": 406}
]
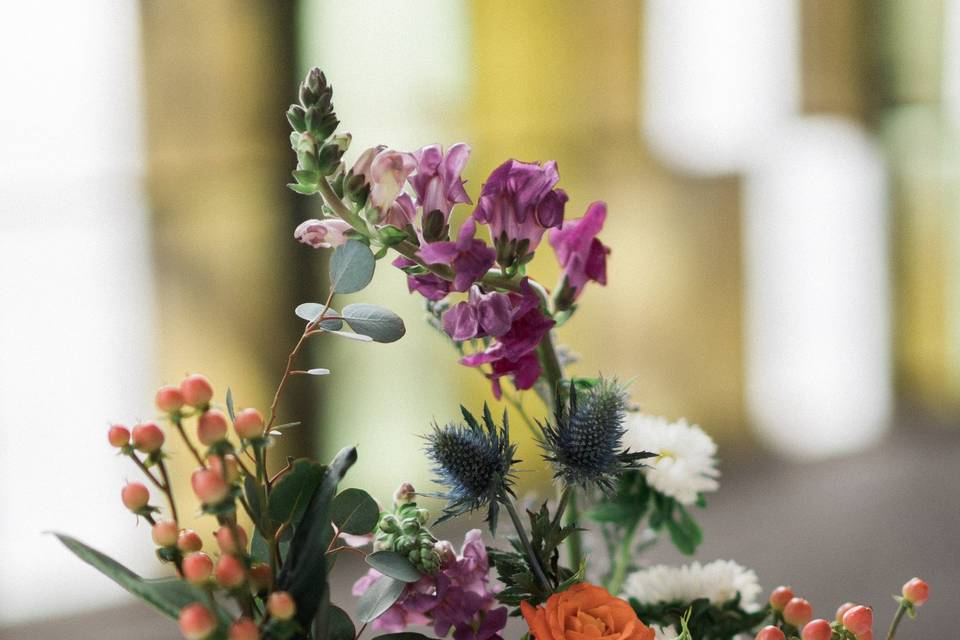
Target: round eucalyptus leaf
[
  {"x": 391, "y": 563},
  {"x": 310, "y": 311},
  {"x": 354, "y": 512},
  {"x": 379, "y": 323},
  {"x": 339, "y": 625},
  {"x": 359, "y": 337},
  {"x": 378, "y": 598},
  {"x": 351, "y": 267}
]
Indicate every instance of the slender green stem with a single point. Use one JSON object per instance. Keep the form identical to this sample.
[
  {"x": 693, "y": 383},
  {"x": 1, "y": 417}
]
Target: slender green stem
[
  {"x": 168, "y": 490},
  {"x": 902, "y": 609},
  {"x": 622, "y": 560},
  {"x": 525, "y": 541},
  {"x": 178, "y": 423}
]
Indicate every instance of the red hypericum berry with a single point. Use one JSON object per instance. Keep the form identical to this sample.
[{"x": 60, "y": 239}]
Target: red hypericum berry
[
  {"x": 916, "y": 592},
  {"x": 797, "y": 612},
  {"x": 212, "y": 427},
  {"x": 858, "y": 620},
  {"x": 196, "y": 622},
  {"x": 281, "y": 606},
  {"x": 779, "y": 598},
  {"x": 244, "y": 629},
  {"x": 770, "y": 633},
  {"x": 818, "y": 629},
  {"x": 261, "y": 577},
  {"x": 169, "y": 398},
  {"x": 118, "y": 435},
  {"x": 233, "y": 469},
  {"x": 135, "y": 496},
  {"x": 249, "y": 424},
  {"x": 209, "y": 486},
  {"x": 197, "y": 567},
  {"x": 165, "y": 533},
  {"x": 842, "y": 609},
  {"x": 147, "y": 437},
  {"x": 226, "y": 542},
  {"x": 196, "y": 390},
  {"x": 230, "y": 572},
  {"x": 188, "y": 541}
]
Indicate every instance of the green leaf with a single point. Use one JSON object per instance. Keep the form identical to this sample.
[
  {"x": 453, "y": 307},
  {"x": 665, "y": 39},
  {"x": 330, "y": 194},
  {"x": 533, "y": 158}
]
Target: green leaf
[
  {"x": 318, "y": 372},
  {"x": 307, "y": 178},
  {"x": 302, "y": 189},
  {"x": 354, "y": 512},
  {"x": 252, "y": 491},
  {"x": 310, "y": 311},
  {"x": 292, "y": 493},
  {"x": 375, "y": 321},
  {"x": 351, "y": 267},
  {"x": 359, "y": 337},
  {"x": 167, "y": 595},
  {"x": 394, "y": 565},
  {"x": 339, "y": 625},
  {"x": 233, "y": 415},
  {"x": 378, "y": 598}
]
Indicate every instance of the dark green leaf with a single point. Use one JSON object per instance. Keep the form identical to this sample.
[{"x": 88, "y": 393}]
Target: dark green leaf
[
  {"x": 339, "y": 625},
  {"x": 302, "y": 189},
  {"x": 310, "y": 311},
  {"x": 230, "y": 411},
  {"x": 375, "y": 321},
  {"x": 292, "y": 493},
  {"x": 394, "y": 565},
  {"x": 354, "y": 512},
  {"x": 251, "y": 490},
  {"x": 351, "y": 267},
  {"x": 378, "y": 598}
]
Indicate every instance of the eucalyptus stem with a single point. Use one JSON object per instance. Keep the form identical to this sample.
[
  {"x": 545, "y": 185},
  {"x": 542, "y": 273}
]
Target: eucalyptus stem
[
  {"x": 902, "y": 609},
  {"x": 525, "y": 541}
]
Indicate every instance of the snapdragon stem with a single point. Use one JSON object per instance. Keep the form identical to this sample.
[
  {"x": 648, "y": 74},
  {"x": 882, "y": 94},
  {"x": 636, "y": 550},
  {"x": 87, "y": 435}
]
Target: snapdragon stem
[
  {"x": 525, "y": 541},
  {"x": 902, "y": 609}
]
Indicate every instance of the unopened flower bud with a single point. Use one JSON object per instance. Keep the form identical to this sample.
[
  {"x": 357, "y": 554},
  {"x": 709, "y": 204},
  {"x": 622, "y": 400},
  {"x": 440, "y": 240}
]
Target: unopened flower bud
[
  {"x": 797, "y": 612},
  {"x": 227, "y": 542},
  {"x": 779, "y": 598},
  {"x": 118, "y": 435},
  {"x": 232, "y": 472},
  {"x": 916, "y": 592},
  {"x": 212, "y": 427},
  {"x": 209, "y": 486},
  {"x": 770, "y": 633},
  {"x": 197, "y": 567},
  {"x": 164, "y": 533},
  {"x": 188, "y": 541},
  {"x": 446, "y": 552},
  {"x": 169, "y": 398},
  {"x": 135, "y": 496},
  {"x": 249, "y": 424},
  {"x": 842, "y": 609},
  {"x": 147, "y": 437},
  {"x": 196, "y": 390},
  {"x": 244, "y": 629},
  {"x": 859, "y": 620},
  {"x": 261, "y": 577},
  {"x": 196, "y": 622},
  {"x": 404, "y": 494},
  {"x": 230, "y": 572},
  {"x": 342, "y": 140},
  {"x": 818, "y": 629},
  {"x": 281, "y": 606}
]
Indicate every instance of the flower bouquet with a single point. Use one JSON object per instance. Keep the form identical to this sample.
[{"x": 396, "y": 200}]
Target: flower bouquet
[{"x": 572, "y": 565}]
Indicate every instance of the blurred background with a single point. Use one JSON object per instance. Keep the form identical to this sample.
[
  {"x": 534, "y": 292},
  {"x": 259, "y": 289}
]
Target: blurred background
[{"x": 783, "y": 184}]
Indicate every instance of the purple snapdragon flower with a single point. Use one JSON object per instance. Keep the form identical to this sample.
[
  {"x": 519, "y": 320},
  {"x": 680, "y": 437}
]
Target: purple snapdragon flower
[
  {"x": 468, "y": 257},
  {"x": 322, "y": 234},
  {"x": 429, "y": 285},
  {"x": 386, "y": 171},
  {"x": 483, "y": 314},
  {"x": 579, "y": 251},
  {"x": 519, "y": 203},
  {"x": 437, "y": 180}
]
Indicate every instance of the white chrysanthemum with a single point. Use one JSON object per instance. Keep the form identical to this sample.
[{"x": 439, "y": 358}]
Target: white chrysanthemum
[
  {"x": 718, "y": 581},
  {"x": 663, "y": 633},
  {"x": 687, "y": 463}
]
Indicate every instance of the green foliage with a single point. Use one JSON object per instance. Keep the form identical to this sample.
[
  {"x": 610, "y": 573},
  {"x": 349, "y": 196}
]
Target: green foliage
[
  {"x": 394, "y": 565},
  {"x": 310, "y": 311},
  {"x": 292, "y": 493},
  {"x": 706, "y": 621},
  {"x": 378, "y": 598},
  {"x": 339, "y": 626},
  {"x": 353, "y": 511},
  {"x": 379, "y": 323},
  {"x": 351, "y": 267}
]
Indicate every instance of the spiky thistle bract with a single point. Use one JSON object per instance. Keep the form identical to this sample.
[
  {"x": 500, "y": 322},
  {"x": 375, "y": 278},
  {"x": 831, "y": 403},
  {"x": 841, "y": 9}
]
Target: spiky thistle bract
[
  {"x": 584, "y": 442},
  {"x": 474, "y": 462}
]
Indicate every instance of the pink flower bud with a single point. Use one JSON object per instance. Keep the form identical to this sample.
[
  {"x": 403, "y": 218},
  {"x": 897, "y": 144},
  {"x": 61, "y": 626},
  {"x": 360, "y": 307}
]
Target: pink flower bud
[
  {"x": 135, "y": 496},
  {"x": 209, "y": 486},
  {"x": 212, "y": 427},
  {"x": 249, "y": 424},
  {"x": 230, "y": 572},
  {"x": 232, "y": 473},
  {"x": 818, "y": 629},
  {"x": 404, "y": 494},
  {"x": 770, "y": 633},
  {"x": 244, "y": 629},
  {"x": 858, "y": 620},
  {"x": 226, "y": 542},
  {"x": 196, "y": 390},
  {"x": 281, "y": 605},
  {"x": 261, "y": 577},
  {"x": 147, "y": 437},
  {"x": 916, "y": 592},
  {"x": 188, "y": 541},
  {"x": 118, "y": 435},
  {"x": 164, "y": 533},
  {"x": 169, "y": 398},
  {"x": 444, "y": 549},
  {"x": 196, "y": 622},
  {"x": 842, "y": 609},
  {"x": 797, "y": 612},
  {"x": 779, "y": 598},
  {"x": 197, "y": 567}
]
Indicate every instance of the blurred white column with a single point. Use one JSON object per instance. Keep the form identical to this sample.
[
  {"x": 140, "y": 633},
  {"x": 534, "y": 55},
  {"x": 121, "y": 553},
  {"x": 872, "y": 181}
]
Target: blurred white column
[{"x": 75, "y": 321}]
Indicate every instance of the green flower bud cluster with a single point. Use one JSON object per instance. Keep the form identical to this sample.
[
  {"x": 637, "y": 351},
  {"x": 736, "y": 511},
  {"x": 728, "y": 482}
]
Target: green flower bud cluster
[
  {"x": 405, "y": 532},
  {"x": 314, "y": 121}
]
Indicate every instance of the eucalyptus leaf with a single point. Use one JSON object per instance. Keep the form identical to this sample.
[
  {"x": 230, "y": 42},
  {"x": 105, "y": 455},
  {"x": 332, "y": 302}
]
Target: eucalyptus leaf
[
  {"x": 354, "y": 512},
  {"x": 230, "y": 411},
  {"x": 379, "y": 323},
  {"x": 359, "y": 337},
  {"x": 292, "y": 493},
  {"x": 251, "y": 489},
  {"x": 339, "y": 626},
  {"x": 310, "y": 311},
  {"x": 318, "y": 372},
  {"x": 351, "y": 267},
  {"x": 378, "y": 598},
  {"x": 394, "y": 565}
]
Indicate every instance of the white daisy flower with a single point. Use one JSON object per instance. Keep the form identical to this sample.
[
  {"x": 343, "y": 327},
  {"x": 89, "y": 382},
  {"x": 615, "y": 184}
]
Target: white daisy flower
[
  {"x": 687, "y": 463},
  {"x": 718, "y": 581},
  {"x": 663, "y": 633}
]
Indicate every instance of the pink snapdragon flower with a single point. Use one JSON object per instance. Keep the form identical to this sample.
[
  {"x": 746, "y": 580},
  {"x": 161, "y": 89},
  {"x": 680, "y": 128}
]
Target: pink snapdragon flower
[
  {"x": 483, "y": 314},
  {"x": 437, "y": 181},
  {"x": 386, "y": 171},
  {"x": 468, "y": 257},
  {"x": 579, "y": 251},
  {"x": 322, "y": 234},
  {"x": 429, "y": 285}
]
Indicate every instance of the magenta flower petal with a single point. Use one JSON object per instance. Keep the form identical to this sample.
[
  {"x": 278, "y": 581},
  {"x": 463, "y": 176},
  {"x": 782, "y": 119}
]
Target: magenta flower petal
[
  {"x": 461, "y": 322},
  {"x": 582, "y": 256}
]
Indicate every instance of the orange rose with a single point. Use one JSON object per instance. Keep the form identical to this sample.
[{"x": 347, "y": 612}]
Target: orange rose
[{"x": 584, "y": 612}]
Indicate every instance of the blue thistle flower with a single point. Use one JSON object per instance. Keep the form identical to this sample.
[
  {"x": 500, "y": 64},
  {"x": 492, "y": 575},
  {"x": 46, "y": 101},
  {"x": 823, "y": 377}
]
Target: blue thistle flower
[
  {"x": 585, "y": 440},
  {"x": 474, "y": 462}
]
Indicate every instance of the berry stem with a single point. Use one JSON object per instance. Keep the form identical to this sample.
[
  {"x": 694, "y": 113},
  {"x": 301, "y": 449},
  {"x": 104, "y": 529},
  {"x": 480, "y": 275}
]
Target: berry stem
[
  {"x": 902, "y": 609},
  {"x": 168, "y": 489},
  {"x": 178, "y": 423},
  {"x": 146, "y": 471},
  {"x": 525, "y": 541}
]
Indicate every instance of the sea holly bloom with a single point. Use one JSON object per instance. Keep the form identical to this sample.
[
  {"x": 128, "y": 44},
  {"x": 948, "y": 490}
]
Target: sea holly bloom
[
  {"x": 322, "y": 234},
  {"x": 386, "y": 171},
  {"x": 438, "y": 185},
  {"x": 582, "y": 256},
  {"x": 468, "y": 257},
  {"x": 584, "y": 611},
  {"x": 519, "y": 203}
]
